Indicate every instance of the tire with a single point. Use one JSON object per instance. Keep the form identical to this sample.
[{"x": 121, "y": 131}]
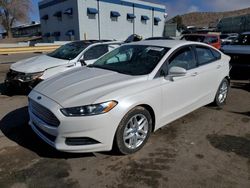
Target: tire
[
  {"x": 222, "y": 92},
  {"x": 130, "y": 135}
]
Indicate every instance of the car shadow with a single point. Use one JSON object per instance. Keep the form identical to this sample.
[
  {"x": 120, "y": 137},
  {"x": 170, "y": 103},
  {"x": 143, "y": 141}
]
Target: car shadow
[
  {"x": 5, "y": 91},
  {"x": 2, "y": 89},
  {"x": 242, "y": 113},
  {"x": 241, "y": 85},
  {"x": 15, "y": 127}
]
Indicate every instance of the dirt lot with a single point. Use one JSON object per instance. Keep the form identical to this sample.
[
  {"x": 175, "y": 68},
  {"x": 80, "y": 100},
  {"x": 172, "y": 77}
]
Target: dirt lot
[{"x": 207, "y": 148}]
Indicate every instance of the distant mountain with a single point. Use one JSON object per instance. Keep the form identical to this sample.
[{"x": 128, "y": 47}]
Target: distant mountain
[{"x": 206, "y": 19}]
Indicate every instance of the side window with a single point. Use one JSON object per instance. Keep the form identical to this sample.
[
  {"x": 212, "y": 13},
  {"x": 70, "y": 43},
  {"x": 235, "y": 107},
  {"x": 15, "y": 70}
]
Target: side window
[
  {"x": 112, "y": 46},
  {"x": 183, "y": 58},
  {"x": 204, "y": 55},
  {"x": 95, "y": 52}
]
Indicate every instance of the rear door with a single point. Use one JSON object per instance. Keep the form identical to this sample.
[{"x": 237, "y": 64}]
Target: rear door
[{"x": 209, "y": 67}]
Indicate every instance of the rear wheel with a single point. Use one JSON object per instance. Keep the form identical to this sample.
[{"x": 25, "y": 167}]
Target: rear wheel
[
  {"x": 222, "y": 92},
  {"x": 133, "y": 131}
]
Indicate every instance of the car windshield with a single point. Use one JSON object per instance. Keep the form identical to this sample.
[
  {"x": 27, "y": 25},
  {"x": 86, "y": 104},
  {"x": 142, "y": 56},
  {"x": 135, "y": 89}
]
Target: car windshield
[
  {"x": 132, "y": 59},
  {"x": 69, "y": 51},
  {"x": 242, "y": 40}
]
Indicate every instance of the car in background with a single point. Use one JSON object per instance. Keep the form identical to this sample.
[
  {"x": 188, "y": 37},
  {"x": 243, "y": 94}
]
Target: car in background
[
  {"x": 211, "y": 39},
  {"x": 239, "y": 51},
  {"x": 27, "y": 73},
  {"x": 126, "y": 94},
  {"x": 228, "y": 40}
]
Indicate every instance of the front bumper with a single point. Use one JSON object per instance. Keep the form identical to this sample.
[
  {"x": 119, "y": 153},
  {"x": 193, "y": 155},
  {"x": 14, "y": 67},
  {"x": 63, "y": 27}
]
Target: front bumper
[
  {"x": 11, "y": 81},
  {"x": 99, "y": 128}
]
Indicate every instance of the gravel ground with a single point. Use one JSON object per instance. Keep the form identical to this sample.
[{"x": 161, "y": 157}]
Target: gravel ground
[{"x": 209, "y": 147}]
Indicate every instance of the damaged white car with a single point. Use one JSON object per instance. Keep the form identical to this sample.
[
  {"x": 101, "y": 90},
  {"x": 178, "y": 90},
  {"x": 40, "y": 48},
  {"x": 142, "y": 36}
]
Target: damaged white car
[{"x": 29, "y": 72}]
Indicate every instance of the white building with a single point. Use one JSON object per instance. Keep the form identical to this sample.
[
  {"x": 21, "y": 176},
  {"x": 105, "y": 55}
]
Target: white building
[{"x": 100, "y": 19}]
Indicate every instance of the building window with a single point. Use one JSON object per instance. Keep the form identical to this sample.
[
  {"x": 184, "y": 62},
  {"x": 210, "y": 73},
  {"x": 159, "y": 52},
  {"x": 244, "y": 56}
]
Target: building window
[
  {"x": 45, "y": 17},
  {"x": 56, "y": 35},
  {"x": 156, "y": 20},
  {"x": 131, "y": 17},
  {"x": 92, "y": 13},
  {"x": 68, "y": 11},
  {"x": 46, "y": 35},
  {"x": 114, "y": 15},
  {"x": 70, "y": 34},
  {"x": 144, "y": 19},
  {"x": 58, "y": 15}
]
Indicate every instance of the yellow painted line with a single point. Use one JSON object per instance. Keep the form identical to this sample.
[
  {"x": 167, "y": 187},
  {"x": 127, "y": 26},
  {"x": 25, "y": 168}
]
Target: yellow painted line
[{"x": 34, "y": 49}]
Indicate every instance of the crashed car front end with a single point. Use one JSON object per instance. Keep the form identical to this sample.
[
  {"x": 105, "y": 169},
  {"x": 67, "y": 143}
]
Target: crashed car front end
[{"x": 15, "y": 79}]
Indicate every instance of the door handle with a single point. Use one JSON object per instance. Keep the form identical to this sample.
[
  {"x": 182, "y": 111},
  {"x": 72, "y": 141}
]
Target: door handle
[
  {"x": 194, "y": 74},
  {"x": 70, "y": 65}
]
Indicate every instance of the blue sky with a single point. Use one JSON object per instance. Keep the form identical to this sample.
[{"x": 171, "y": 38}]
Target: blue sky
[{"x": 175, "y": 7}]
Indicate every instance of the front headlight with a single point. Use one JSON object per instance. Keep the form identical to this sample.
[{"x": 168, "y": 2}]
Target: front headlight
[
  {"x": 29, "y": 76},
  {"x": 89, "y": 110}
]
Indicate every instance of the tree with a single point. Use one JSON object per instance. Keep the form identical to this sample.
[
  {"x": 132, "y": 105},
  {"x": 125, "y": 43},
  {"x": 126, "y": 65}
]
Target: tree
[{"x": 13, "y": 11}]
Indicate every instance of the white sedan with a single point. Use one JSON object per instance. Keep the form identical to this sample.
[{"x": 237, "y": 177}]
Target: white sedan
[
  {"x": 127, "y": 94},
  {"x": 29, "y": 72}
]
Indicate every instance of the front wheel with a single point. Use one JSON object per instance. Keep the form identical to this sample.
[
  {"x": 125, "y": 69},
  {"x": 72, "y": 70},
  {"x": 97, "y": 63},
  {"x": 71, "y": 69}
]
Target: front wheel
[
  {"x": 222, "y": 92},
  {"x": 133, "y": 131}
]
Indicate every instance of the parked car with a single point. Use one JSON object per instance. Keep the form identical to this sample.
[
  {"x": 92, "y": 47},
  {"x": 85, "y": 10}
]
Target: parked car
[
  {"x": 228, "y": 40},
  {"x": 239, "y": 51},
  {"x": 211, "y": 39},
  {"x": 127, "y": 94},
  {"x": 29, "y": 72}
]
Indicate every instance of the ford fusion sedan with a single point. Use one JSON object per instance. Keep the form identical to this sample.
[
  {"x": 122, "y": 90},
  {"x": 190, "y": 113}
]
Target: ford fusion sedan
[
  {"x": 127, "y": 94},
  {"x": 27, "y": 73}
]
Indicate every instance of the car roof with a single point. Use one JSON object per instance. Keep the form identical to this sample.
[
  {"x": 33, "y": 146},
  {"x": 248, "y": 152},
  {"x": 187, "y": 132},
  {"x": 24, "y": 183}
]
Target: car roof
[
  {"x": 96, "y": 42},
  {"x": 164, "y": 43}
]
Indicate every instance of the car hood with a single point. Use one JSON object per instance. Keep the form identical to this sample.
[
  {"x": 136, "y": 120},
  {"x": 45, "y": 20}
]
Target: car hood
[
  {"x": 37, "y": 64},
  {"x": 236, "y": 49},
  {"x": 84, "y": 85}
]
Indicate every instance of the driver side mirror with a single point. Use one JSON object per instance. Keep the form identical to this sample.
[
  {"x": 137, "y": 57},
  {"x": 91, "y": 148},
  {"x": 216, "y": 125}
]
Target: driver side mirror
[
  {"x": 82, "y": 61},
  {"x": 177, "y": 72}
]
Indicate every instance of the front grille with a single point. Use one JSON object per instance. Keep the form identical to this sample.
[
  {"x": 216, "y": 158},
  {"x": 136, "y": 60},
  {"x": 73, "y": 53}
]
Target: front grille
[
  {"x": 43, "y": 113},
  {"x": 48, "y": 136}
]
